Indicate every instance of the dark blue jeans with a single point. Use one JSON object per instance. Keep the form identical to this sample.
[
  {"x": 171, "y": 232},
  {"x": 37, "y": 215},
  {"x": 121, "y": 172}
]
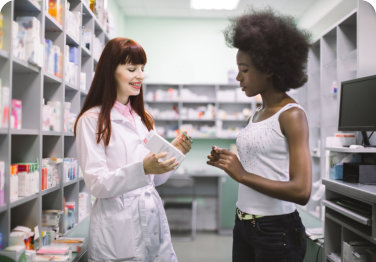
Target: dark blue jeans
[{"x": 270, "y": 238}]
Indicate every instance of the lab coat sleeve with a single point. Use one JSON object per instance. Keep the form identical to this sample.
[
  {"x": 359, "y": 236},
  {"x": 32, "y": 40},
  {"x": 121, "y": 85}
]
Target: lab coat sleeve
[
  {"x": 101, "y": 182},
  {"x": 162, "y": 178}
]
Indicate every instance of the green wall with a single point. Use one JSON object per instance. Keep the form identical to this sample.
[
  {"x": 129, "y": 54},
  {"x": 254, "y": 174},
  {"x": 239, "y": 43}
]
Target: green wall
[{"x": 179, "y": 50}]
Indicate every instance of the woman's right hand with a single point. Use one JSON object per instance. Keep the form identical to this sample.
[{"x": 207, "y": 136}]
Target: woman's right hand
[{"x": 153, "y": 164}]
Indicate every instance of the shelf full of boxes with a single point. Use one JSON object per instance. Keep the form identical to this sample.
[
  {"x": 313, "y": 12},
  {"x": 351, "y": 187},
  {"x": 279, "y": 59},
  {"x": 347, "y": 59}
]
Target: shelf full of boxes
[
  {"x": 47, "y": 63},
  {"x": 215, "y": 111}
]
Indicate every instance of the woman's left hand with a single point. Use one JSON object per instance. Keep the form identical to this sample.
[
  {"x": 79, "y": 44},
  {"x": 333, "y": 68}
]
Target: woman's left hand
[
  {"x": 228, "y": 162},
  {"x": 182, "y": 143}
]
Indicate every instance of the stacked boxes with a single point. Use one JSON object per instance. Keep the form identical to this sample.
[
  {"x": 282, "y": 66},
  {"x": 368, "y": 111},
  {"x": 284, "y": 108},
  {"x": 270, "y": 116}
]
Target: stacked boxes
[{"x": 26, "y": 40}]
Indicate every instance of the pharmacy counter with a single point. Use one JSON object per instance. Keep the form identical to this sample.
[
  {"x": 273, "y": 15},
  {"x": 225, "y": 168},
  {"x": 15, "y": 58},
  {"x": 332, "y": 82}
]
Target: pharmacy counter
[{"x": 80, "y": 230}]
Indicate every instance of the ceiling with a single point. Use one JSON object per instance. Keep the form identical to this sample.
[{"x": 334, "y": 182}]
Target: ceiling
[{"x": 181, "y": 8}]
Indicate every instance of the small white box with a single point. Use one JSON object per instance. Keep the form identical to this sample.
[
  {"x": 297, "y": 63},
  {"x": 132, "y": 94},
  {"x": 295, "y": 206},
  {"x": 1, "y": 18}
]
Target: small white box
[
  {"x": 340, "y": 140},
  {"x": 156, "y": 144}
]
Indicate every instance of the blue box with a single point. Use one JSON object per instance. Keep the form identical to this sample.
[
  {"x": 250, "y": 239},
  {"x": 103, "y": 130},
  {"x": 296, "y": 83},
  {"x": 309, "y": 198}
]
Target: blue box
[{"x": 336, "y": 172}]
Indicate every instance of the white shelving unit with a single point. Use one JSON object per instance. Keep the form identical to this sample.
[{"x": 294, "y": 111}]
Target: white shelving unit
[
  {"x": 198, "y": 105},
  {"x": 346, "y": 51},
  {"x": 32, "y": 84},
  {"x": 343, "y": 224}
]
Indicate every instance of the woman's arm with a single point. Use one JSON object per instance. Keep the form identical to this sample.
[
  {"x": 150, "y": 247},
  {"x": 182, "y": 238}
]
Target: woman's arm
[{"x": 298, "y": 189}]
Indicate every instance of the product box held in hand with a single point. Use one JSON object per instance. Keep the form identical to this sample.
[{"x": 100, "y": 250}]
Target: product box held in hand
[{"x": 156, "y": 144}]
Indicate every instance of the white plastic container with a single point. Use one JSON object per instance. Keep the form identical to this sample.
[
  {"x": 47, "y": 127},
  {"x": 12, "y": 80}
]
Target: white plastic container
[{"x": 156, "y": 144}]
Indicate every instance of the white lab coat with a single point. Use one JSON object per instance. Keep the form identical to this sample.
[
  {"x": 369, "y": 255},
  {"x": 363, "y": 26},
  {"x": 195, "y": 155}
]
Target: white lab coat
[{"x": 128, "y": 221}]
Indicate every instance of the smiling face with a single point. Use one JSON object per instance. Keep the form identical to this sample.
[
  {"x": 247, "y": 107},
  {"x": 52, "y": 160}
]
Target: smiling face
[
  {"x": 252, "y": 80},
  {"x": 129, "y": 79}
]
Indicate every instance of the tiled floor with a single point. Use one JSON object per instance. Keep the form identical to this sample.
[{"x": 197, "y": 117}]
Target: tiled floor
[{"x": 206, "y": 247}]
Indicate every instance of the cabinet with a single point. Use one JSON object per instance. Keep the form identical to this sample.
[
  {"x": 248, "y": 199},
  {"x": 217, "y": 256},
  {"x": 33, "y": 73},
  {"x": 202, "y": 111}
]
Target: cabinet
[
  {"x": 34, "y": 85},
  {"x": 354, "y": 220},
  {"x": 344, "y": 52},
  {"x": 204, "y": 111}
]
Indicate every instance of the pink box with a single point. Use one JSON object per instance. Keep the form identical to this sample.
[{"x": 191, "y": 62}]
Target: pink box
[{"x": 16, "y": 115}]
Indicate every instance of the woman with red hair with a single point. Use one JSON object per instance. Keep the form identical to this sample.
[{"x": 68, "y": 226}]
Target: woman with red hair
[{"x": 128, "y": 221}]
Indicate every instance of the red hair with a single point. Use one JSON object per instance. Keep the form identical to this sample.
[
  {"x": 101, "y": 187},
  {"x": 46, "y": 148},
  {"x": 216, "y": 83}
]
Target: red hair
[{"x": 103, "y": 91}]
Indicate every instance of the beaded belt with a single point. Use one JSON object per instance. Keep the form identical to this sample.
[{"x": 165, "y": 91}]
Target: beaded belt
[{"x": 245, "y": 216}]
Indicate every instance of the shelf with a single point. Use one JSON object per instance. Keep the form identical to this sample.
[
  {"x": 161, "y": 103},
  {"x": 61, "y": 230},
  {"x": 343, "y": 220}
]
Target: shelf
[
  {"x": 98, "y": 28},
  {"x": 235, "y": 102},
  {"x": 352, "y": 150},
  {"x": 32, "y": 84},
  {"x": 70, "y": 182},
  {"x": 71, "y": 41},
  {"x": 364, "y": 193},
  {"x": 166, "y": 119},
  {"x": 52, "y": 25},
  {"x": 50, "y": 190},
  {"x": 86, "y": 9},
  {"x": 51, "y": 133},
  {"x": 348, "y": 213},
  {"x": 20, "y": 66},
  {"x": 198, "y": 102},
  {"x": 162, "y": 101},
  {"x": 23, "y": 200},
  {"x": 197, "y": 120},
  {"x": 85, "y": 51},
  {"x": 51, "y": 79},
  {"x": 364, "y": 232},
  {"x": 23, "y": 131},
  {"x": 70, "y": 87},
  {"x": 27, "y": 5},
  {"x": 4, "y": 54},
  {"x": 233, "y": 120}
]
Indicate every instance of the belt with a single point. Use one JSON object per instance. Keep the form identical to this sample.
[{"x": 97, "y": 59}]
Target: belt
[{"x": 245, "y": 216}]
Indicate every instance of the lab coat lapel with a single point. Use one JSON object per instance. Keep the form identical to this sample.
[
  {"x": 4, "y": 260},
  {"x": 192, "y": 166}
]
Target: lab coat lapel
[{"x": 118, "y": 117}]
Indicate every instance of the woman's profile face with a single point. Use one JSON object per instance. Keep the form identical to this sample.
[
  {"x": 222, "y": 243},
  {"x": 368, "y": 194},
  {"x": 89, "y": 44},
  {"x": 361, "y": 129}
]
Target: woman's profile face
[
  {"x": 252, "y": 80},
  {"x": 129, "y": 79}
]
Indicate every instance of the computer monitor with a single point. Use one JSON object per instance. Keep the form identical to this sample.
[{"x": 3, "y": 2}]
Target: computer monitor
[{"x": 357, "y": 111}]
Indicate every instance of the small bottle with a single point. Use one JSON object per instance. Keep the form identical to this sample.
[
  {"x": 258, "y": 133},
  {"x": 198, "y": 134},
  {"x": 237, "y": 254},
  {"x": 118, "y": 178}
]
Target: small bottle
[{"x": 334, "y": 88}]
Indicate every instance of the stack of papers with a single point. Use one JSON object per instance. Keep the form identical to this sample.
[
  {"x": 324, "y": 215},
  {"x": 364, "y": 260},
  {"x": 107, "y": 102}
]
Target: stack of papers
[
  {"x": 74, "y": 243},
  {"x": 53, "y": 250}
]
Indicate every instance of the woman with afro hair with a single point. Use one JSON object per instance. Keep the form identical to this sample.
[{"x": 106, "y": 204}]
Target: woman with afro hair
[{"x": 274, "y": 168}]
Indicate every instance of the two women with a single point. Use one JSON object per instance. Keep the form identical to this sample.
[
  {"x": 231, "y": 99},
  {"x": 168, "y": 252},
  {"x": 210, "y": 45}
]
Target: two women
[{"x": 128, "y": 222}]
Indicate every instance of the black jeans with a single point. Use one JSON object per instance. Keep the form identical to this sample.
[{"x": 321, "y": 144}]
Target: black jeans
[{"x": 270, "y": 238}]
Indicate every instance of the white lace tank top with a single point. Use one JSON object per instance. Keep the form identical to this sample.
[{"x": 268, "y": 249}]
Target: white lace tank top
[{"x": 263, "y": 150}]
